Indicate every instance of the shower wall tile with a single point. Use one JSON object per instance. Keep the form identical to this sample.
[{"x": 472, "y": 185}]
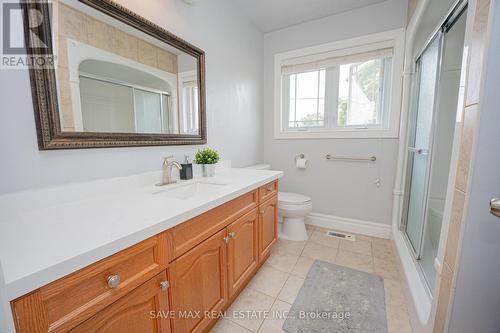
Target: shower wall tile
[
  {"x": 454, "y": 229},
  {"x": 443, "y": 299},
  {"x": 467, "y": 139},
  {"x": 478, "y": 45}
]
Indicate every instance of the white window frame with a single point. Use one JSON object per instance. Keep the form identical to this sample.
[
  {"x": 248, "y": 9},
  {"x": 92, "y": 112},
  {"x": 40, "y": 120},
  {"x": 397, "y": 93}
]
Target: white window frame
[{"x": 389, "y": 39}]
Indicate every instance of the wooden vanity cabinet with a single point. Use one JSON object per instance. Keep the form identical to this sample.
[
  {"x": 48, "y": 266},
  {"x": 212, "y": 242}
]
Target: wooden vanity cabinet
[
  {"x": 198, "y": 282},
  {"x": 243, "y": 251},
  {"x": 168, "y": 283},
  {"x": 67, "y": 302},
  {"x": 144, "y": 310},
  {"x": 268, "y": 227}
]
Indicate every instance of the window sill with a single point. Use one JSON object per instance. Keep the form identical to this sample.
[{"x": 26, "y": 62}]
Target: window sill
[{"x": 339, "y": 134}]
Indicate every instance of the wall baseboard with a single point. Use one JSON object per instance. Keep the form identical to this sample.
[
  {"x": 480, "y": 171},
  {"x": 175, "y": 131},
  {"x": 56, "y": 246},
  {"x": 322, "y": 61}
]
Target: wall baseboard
[{"x": 349, "y": 225}]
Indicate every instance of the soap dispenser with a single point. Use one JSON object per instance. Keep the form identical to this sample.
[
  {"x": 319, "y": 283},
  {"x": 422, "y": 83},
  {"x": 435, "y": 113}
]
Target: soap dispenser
[{"x": 187, "y": 169}]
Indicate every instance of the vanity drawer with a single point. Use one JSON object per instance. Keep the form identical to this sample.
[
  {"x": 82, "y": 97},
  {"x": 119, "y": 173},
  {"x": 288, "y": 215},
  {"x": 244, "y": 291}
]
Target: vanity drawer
[
  {"x": 67, "y": 302},
  {"x": 267, "y": 191},
  {"x": 187, "y": 235}
]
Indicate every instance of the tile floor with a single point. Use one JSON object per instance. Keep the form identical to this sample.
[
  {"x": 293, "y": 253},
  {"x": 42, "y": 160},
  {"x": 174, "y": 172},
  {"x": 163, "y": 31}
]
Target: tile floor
[{"x": 278, "y": 281}]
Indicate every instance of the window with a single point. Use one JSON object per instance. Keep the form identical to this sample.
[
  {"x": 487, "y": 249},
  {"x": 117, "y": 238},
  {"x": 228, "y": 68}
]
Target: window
[{"x": 350, "y": 92}]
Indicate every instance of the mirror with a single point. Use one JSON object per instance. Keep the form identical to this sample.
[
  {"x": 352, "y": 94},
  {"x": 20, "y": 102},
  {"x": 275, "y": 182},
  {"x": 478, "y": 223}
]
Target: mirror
[{"x": 119, "y": 81}]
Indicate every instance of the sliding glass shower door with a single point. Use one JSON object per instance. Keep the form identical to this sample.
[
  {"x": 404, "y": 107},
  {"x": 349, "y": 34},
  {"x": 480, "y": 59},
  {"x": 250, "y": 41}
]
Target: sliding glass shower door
[
  {"x": 419, "y": 143},
  {"x": 430, "y": 143}
]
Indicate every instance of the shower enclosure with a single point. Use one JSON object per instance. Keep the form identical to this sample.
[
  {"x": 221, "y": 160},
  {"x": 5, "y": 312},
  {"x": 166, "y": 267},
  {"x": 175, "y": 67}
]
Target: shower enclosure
[{"x": 431, "y": 133}]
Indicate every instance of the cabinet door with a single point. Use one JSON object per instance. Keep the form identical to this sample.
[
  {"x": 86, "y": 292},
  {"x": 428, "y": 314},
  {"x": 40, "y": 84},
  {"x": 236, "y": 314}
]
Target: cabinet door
[
  {"x": 243, "y": 250},
  {"x": 199, "y": 284},
  {"x": 144, "y": 310},
  {"x": 268, "y": 226}
]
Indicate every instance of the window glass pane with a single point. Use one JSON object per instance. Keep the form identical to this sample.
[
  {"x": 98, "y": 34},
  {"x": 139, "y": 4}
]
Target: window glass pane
[
  {"x": 306, "y": 103},
  {"x": 147, "y": 112},
  {"x": 307, "y": 85},
  {"x": 360, "y": 93}
]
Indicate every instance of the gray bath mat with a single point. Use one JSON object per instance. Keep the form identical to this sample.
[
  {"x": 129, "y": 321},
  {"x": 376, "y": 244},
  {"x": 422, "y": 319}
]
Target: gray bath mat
[{"x": 336, "y": 299}]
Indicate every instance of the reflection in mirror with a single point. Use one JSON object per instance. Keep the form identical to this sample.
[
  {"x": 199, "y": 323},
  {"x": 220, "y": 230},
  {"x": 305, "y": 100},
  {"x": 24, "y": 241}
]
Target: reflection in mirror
[{"x": 113, "y": 78}]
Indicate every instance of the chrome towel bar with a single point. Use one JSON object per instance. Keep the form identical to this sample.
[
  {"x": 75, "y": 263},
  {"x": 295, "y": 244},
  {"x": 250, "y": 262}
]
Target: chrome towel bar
[{"x": 336, "y": 158}]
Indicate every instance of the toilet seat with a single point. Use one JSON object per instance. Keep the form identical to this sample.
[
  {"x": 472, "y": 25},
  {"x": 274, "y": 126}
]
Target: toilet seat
[{"x": 293, "y": 199}]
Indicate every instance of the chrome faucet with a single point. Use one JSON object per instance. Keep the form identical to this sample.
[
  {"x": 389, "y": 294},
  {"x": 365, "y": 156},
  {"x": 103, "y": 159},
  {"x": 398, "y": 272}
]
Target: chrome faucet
[{"x": 167, "y": 170}]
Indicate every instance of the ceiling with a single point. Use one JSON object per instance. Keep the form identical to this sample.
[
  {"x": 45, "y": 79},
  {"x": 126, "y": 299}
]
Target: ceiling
[{"x": 270, "y": 15}]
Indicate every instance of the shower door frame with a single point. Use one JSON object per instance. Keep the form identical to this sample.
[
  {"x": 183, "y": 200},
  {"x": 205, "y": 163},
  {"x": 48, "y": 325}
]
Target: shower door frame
[
  {"x": 410, "y": 153},
  {"x": 458, "y": 9}
]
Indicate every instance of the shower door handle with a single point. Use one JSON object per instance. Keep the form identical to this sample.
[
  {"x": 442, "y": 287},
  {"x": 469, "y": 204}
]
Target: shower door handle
[
  {"x": 495, "y": 207},
  {"x": 419, "y": 151}
]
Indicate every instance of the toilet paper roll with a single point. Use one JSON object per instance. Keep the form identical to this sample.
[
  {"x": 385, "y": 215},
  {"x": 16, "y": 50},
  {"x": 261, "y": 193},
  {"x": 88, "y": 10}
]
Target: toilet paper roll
[{"x": 301, "y": 163}]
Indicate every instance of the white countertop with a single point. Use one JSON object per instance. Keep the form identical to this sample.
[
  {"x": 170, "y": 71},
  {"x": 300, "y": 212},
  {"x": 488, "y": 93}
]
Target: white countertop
[{"x": 49, "y": 233}]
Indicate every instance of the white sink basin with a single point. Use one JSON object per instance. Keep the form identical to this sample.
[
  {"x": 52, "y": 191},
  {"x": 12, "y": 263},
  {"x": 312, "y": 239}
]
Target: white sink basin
[{"x": 187, "y": 191}]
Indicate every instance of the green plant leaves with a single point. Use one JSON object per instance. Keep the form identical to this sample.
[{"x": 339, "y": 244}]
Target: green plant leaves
[{"x": 206, "y": 156}]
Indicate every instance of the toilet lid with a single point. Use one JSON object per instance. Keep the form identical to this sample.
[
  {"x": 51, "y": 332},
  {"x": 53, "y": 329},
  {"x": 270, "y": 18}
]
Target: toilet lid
[{"x": 293, "y": 198}]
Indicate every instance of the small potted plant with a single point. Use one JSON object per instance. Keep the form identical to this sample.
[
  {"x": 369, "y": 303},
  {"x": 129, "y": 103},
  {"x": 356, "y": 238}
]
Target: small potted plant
[{"x": 207, "y": 158}]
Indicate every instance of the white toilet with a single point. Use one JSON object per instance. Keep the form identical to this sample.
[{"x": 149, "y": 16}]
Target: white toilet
[{"x": 292, "y": 211}]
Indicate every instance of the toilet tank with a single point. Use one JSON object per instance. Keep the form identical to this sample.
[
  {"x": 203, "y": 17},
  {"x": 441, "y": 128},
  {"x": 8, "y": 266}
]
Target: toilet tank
[{"x": 259, "y": 167}]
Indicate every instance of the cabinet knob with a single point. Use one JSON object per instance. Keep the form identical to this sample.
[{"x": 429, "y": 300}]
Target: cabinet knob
[
  {"x": 269, "y": 189},
  {"x": 232, "y": 234},
  {"x": 113, "y": 281},
  {"x": 226, "y": 239},
  {"x": 164, "y": 285}
]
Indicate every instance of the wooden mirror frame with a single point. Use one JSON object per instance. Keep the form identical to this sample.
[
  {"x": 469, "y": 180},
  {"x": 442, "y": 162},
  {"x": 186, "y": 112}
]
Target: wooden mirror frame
[{"x": 44, "y": 88}]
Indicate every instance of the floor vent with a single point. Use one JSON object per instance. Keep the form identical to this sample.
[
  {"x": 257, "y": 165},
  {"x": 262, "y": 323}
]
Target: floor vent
[{"x": 341, "y": 235}]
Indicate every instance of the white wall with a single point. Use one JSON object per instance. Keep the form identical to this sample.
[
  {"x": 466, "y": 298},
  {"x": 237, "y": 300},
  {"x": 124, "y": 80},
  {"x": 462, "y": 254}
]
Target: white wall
[
  {"x": 234, "y": 103},
  {"x": 477, "y": 295},
  {"x": 337, "y": 188}
]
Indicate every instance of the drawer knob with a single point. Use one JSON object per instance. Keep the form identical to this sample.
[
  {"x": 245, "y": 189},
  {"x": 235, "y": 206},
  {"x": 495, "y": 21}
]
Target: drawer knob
[
  {"x": 232, "y": 234},
  {"x": 269, "y": 189},
  {"x": 113, "y": 281},
  {"x": 164, "y": 285},
  {"x": 226, "y": 239}
]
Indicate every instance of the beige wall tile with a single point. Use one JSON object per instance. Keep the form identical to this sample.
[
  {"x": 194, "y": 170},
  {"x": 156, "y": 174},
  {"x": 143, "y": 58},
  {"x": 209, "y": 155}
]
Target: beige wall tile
[
  {"x": 167, "y": 61},
  {"x": 100, "y": 34},
  {"x": 62, "y": 52},
  {"x": 72, "y": 23},
  {"x": 66, "y": 105},
  {"x": 454, "y": 229},
  {"x": 465, "y": 150},
  {"x": 147, "y": 53},
  {"x": 443, "y": 299},
  {"x": 126, "y": 45},
  {"x": 477, "y": 47}
]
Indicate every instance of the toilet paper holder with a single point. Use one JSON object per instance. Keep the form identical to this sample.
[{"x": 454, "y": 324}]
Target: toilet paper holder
[{"x": 299, "y": 156}]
